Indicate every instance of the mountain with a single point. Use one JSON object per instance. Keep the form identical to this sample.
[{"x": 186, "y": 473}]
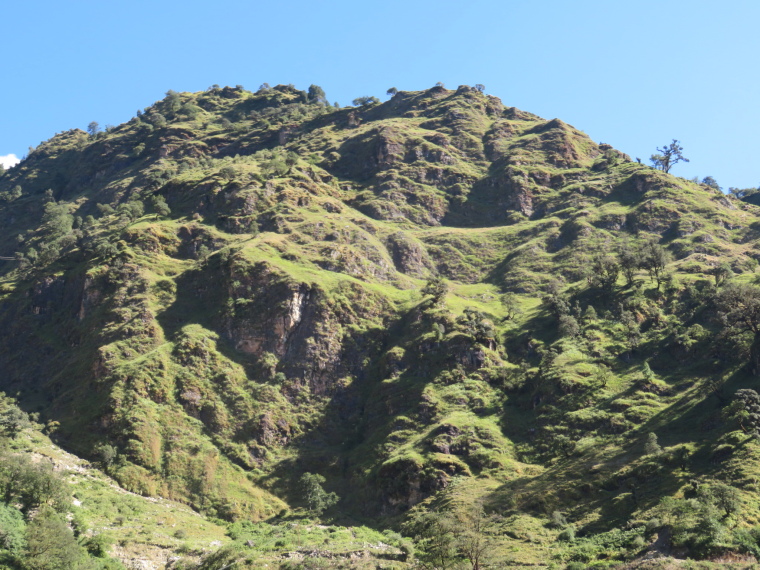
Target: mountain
[{"x": 434, "y": 302}]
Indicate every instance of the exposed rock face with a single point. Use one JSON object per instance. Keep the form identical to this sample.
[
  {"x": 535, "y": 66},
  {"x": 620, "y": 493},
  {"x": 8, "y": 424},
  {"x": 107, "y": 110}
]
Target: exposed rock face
[
  {"x": 91, "y": 296},
  {"x": 409, "y": 256}
]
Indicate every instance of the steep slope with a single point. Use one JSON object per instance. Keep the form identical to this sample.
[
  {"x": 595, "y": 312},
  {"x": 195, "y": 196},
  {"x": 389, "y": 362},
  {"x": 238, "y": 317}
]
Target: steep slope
[{"x": 265, "y": 318}]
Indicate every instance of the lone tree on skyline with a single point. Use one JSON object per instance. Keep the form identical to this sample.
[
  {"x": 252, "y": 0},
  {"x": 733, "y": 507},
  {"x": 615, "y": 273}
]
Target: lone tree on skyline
[
  {"x": 364, "y": 101},
  {"x": 668, "y": 156},
  {"x": 317, "y": 94}
]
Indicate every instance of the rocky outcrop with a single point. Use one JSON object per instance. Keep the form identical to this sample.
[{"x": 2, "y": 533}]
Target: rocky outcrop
[{"x": 409, "y": 255}]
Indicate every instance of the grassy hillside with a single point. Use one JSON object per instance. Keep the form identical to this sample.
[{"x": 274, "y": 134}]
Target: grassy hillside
[{"x": 434, "y": 302}]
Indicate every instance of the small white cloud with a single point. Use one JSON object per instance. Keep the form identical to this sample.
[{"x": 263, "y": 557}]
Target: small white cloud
[{"x": 9, "y": 160}]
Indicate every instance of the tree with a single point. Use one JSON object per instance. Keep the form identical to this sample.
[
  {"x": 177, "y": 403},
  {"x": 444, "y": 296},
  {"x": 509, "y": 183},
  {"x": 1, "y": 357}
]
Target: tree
[
  {"x": 568, "y": 326},
  {"x": 228, "y": 172},
  {"x": 57, "y": 219},
  {"x": 160, "y": 206},
  {"x": 739, "y": 305},
  {"x": 31, "y": 485},
  {"x": 93, "y": 128},
  {"x": 632, "y": 330},
  {"x": 711, "y": 182},
  {"x": 435, "y": 537},
  {"x": 314, "y": 494},
  {"x": 604, "y": 375},
  {"x": 668, "y": 156},
  {"x": 480, "y": 87},
  {"x": 604, "y": 272},
  {"x": 589, "y": 315},
  {"x": 157, "y": 120},
  {"x": 16, "y": 192},
  {"x": 655, "y": 258},
  {"x": 628, "y": 258},
  {"x": 652, "y": 447},
  {"x": 364, "y": 101},
  {"x": 316, "y": 94},
  {"x": 51, "y": 544},
  {"x": 132, "y": 210},
  {"x": 392, "y": 91},
  {"x": 13, "y": 421},
  {"x": 725, "y": 498},
  {"x": 106, "y": 453},
  {"x": 12, "y": 529},
  {"x": 436, "y": 288},
  {"x": 511, "y": 305},
  {"x": 172, "y": 101},
  {"x": 474, "y": 537},
  {"x": 477, "y": 324},
  {"x": 556, "y": 300},
  {"x": 722, "y": 272},
  {"x": 738, "y": 308},
  {"x": 748, "y": 402},
  {"x": 742, "y": 193}
]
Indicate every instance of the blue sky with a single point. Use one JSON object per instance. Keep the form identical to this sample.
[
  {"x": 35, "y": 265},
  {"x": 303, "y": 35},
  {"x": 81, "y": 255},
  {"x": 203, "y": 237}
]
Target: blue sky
[{"x": 631, "y": 74}]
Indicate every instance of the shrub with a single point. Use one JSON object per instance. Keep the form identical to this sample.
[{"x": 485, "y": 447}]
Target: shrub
[{"x": 567, "y": 535}]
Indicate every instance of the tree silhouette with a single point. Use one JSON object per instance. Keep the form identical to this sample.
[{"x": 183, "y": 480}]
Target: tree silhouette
[{"x": 668, "y": 156}]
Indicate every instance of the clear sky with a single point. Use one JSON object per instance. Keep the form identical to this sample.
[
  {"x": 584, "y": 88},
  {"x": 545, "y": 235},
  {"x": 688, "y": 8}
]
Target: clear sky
[{"x": 631, "y": 74}]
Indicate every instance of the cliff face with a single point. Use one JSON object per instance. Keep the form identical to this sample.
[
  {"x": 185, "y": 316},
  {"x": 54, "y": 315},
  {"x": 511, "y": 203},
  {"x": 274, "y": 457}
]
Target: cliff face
[{"x": 265, "y": 317}]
